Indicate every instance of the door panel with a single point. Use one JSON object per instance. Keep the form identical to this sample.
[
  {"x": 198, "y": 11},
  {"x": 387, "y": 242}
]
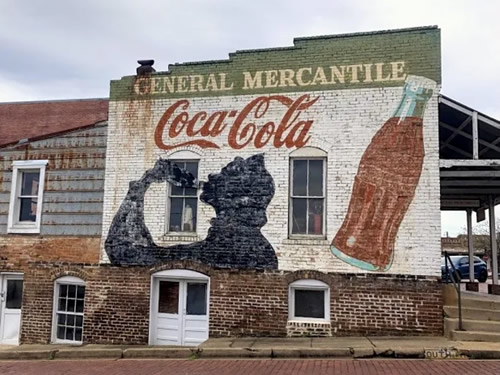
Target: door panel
[
  {"x": 14, "y": 294},
  {"x": 195, "y": 330},
  {"x": 10, "y": 308},
  {"x": 196, "y": 300},
  {"x": 168, "y": 319},
  {"x": 196, "y": 318},
  {"x": 168, "y": 297}
]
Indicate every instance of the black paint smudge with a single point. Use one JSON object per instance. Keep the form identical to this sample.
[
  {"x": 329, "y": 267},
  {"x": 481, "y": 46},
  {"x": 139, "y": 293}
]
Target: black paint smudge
[{"x": 240, "y": 194}]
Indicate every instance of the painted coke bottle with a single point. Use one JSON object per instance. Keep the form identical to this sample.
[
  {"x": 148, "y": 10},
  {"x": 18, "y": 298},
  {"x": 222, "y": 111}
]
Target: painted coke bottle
[{"x": 385, "y": 184}]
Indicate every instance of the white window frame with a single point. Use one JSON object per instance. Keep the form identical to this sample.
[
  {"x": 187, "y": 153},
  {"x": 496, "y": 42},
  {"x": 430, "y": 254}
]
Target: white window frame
[
  {"x": 308, "y": 284},
  {"x": 66, "y": 280},
  {"x": 182, "y": 157},
  {"x": 291, "y": 197},
  {"x": 13, "y": 223}
]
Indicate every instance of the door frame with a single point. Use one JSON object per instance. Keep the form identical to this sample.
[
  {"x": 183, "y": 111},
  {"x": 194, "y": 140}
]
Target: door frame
[
  {"x": 173, "y": 275},
  {"x": 3, "y": 277}
]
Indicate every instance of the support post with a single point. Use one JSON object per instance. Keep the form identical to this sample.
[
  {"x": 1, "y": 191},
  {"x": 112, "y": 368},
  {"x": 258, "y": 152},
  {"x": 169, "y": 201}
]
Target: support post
[
  {"x": 470, "y": 245},
  {"x": 493, "y": 241},
  {"x": 475, "y": 136}
]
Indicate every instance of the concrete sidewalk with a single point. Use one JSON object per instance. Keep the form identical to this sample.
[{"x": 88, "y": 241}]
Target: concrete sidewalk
[{"x": 331, "y": 347}]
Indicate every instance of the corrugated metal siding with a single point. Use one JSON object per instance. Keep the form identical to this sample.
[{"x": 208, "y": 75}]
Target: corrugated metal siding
[{"x": 74, "y": 181}]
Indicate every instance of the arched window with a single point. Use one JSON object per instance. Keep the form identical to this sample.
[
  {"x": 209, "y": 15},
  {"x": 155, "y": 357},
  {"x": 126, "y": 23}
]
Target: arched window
[
  {"x": 309, "y": 300},
  {"x": 307, "y": 192},
  {"x": 69, "y": 301},
  {"x": 182, "y": 203}
]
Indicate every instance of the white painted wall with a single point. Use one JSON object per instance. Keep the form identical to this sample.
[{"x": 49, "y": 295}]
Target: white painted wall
[{"x": 344, "y": 124}]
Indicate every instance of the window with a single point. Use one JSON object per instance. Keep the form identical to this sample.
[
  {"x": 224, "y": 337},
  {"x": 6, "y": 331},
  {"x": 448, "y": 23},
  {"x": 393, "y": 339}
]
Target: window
[
  {"x": 14, "y": 297},
  {"x": 307, "y": 196},
  {"x": 69, "y": 299},
  {"x": 26, "y": 196},
  {"x": 183, "y": 202},
  {"x": 309, "y": 300}
]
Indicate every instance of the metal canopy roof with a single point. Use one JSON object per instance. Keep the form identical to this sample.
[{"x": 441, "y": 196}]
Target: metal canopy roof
[{"x": 469, "y": 152}]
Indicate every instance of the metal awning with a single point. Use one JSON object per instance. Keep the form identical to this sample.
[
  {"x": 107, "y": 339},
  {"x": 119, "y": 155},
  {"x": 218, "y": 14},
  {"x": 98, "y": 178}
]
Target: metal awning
[{"x": 469, "y": 153}]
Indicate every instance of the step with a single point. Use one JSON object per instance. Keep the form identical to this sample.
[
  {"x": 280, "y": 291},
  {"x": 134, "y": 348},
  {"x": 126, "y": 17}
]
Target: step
[
  {"x": 472, "y": 313},
  {"x": 451, "y": 324},
  {"x": 477, "y": 302},
  {"x": 475, "y": 336}
]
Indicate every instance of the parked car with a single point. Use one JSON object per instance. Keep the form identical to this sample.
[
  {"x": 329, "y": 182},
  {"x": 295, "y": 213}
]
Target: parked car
[{"x": 461, "y": 263}]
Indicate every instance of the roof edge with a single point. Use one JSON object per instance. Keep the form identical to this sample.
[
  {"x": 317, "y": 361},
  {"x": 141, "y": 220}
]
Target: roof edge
[
  {"x": 53, "y": 101},
  {"x": 367, "y": 33},
  {"x": 54, "y": 134},
  {"x": 469, "y": 108}
]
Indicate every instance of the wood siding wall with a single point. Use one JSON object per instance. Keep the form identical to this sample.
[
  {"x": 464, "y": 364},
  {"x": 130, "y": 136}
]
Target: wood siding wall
[{"x": 74, "y": 181}]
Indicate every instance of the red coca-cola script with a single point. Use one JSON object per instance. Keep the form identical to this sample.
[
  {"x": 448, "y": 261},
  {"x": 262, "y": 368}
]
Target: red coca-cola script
[{"x": 290, "y": 131}]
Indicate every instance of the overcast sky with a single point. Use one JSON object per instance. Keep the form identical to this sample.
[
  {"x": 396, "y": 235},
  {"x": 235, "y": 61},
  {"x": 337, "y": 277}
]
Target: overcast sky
[{"x": 62, "y": 49}]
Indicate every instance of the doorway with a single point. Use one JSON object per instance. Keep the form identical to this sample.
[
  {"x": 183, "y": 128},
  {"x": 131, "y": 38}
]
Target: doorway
[
  {"x": 11, "y": 299},
  {"x": 179, "y": 308}
]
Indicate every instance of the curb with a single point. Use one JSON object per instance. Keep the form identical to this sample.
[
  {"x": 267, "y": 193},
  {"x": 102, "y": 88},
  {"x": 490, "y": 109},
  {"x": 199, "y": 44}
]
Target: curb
[
  {"x": 28, "y": 355},
  {"x": 244, "y": 353},
  {"x": 367, "y": 352},
  {"x": 89, "y": 354},
  {"x": 233, "y": 353},
  {"x": 311, "y": 353},
  {"x": 157, "y": 353},
  {"x": 481, "y": 354},
  {"x": 409, "y": 353}
]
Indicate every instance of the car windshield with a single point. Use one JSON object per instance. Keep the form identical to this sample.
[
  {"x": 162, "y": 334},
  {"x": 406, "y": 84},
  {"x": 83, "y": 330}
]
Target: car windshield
[{"x": 456, "y": 258}]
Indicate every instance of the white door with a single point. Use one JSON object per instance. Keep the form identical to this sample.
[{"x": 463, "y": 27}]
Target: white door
[
  {"x": 179, "y": 313},
  {"x": 11, "y": 298}
]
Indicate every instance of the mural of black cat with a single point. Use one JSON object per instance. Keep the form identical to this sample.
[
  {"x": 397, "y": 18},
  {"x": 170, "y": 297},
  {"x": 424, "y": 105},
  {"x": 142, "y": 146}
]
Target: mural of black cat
[{"x": 240, "y": 194}]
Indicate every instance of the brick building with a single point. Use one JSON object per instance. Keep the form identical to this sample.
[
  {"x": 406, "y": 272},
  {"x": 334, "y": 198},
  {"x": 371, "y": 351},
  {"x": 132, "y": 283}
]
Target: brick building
[
  {"x": 289, "y": 191},
  {"x": 50, "y": 152}
]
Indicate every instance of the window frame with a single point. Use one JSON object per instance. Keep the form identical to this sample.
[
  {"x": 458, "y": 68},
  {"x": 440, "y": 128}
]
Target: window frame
[
  {"x": 292, "y": 235},
  {"x": 66, "y": 280},
  {"x": 18, "y": 168},
  {"x": 168, "y": 202},
  {"x": 311, "y": 285}
]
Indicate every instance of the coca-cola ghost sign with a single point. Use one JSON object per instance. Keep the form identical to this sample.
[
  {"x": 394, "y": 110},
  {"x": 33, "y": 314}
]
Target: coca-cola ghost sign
[{"x": 202, "y": 128}]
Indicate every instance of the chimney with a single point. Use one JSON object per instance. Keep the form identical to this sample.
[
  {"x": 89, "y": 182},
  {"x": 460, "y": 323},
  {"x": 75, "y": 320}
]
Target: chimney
[{"x": 146, "y": 67}]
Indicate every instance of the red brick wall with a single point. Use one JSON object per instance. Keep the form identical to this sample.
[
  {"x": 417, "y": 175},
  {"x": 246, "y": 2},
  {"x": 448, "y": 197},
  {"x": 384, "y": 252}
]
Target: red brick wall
[
  {"x": 116, "y": 303},
  {"x": 117, "y": 311},
  {"x": 17, "y": 250},
  {"x": 374, "y": 305},
  {"x": 38, "y": 294},
  {"x": 246, "y": 303}
]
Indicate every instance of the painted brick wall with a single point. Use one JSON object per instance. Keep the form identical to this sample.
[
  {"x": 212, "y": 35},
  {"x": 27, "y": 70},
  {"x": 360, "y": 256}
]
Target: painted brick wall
[
  {"x": 248, "y": 303},
  {"x": 345, "y": 118}
]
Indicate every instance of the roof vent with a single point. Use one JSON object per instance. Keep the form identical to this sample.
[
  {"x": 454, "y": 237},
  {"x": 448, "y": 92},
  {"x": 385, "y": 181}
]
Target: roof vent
[{"x": 146, "y": 67}]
